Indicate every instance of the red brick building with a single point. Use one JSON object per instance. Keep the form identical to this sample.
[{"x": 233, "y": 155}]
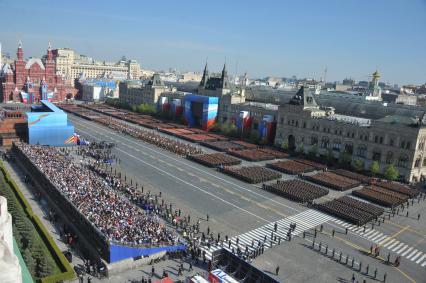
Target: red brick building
[{"x": 33, "y": 79}]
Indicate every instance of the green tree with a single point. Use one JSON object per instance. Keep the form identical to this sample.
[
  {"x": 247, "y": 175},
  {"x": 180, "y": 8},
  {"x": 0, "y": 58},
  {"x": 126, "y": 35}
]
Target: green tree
[
  {"x": 345, "y": 159},
  {"x": 391, "y": 173},
  {"x": 313, "y": 151},
  {"x": 329, "y": 157},
  {"x": 375, "y": 168},
  {"x": 300, "y": 148},
  {"x": 358, "y": 164},
  {"x": 285, "y": 146}
]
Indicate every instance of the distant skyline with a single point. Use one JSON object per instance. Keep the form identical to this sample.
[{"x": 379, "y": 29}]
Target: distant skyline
[{"x": 270, "y": 38}]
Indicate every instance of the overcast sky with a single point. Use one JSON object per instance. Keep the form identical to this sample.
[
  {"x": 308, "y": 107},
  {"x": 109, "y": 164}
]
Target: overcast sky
[{"x": 265, "y": 38}]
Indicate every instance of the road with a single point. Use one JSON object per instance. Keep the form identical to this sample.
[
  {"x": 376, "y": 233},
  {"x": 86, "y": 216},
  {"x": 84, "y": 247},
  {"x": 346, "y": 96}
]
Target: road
[{"x": 237, "y": 208}]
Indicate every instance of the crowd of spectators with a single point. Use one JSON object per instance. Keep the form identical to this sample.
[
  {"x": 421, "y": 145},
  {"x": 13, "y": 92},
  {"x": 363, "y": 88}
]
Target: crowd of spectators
[{"x": 109, "y": 211}]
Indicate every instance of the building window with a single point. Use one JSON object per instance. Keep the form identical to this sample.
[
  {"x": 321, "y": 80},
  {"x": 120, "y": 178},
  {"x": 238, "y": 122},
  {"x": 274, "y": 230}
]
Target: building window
[
  {"x": 376, "y": 139},
  {"x": 297, "y": 123},
  {"x": 304, "y": 124},
  {"x": 403, "y": 144},
  {"x": 349, "y": 148},
  {"x": 281, "y": 120},
  {"x": 381, "y": 140},
  {"x": 389, "y": 157},
  {"x": 325, "y": 142},
  {"x": 337, "y": 145},
  {"x": 408, "y": 145},
  {"x": 361, "y": 151},
  {"x": 391, "y": 142},
  {"x": 376, "y": 155},
  {"x": 417, "y": 162},
  {"x": 314, "y": 140},
  {"x": 403, "y": 161}
]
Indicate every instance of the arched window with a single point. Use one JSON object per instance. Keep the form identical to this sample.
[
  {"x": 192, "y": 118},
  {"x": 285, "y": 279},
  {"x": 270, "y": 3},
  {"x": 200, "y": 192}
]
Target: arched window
[
  {"x": 421, "y": 145},
  {"x": 377, "y": 155},
  {"x": 361, "y": 151},
  {"x": 325, "y": 142},
  {"x": 314, "y": 140},
  {"x": 389, "y": 157},
  {"x": 418, "y": 162},
  {"x": 337, "y": 145},
  {"x": 349, "y": 148},
  {"x": 403, "y": 161}
]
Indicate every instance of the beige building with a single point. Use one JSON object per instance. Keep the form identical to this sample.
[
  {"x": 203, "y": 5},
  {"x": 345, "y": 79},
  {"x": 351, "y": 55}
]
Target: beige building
[
  {"x": 190, "y": 77},
  {"x": 392, "y": 139},
  {"x": 136, "y": 92},
  {"x": 73, "y": 65}
]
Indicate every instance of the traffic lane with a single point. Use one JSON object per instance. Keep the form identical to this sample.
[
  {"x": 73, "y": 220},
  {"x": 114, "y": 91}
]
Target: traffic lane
[
  {"x": 107, "y": 133},
  {"x": 287, "y": 207},
  {"x": 266, "y": 206},
  {"x": 226, "y": 207}
]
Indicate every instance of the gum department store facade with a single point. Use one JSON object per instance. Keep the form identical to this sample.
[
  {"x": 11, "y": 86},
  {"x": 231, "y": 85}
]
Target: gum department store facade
[{"x": 387, "y": 134}]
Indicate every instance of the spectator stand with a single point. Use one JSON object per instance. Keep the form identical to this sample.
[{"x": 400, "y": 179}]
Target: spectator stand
[{"x": 110, "y": 224}]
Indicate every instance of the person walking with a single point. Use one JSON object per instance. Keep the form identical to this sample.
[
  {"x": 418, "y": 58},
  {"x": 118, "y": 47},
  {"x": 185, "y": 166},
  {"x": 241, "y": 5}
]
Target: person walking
[
  {"x": 277, "y": 270},
  {"x": 152, "y": 271}
]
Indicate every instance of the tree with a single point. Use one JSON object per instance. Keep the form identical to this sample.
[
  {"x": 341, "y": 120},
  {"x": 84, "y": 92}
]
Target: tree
[
  {"x": 358, "y": 165},
  {"x": 300, "y": 148},
  {"x": 375, "y": 167},
  {"x": 345, "y": 159},
  {"x": 329, "y": 157},
  {"x": 285, "y": 146},
  {"x": 313, "y": 151},
  {"x": 391, "y": 173}
]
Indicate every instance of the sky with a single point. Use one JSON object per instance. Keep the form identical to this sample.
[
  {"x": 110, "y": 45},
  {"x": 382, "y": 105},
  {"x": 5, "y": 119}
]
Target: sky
[{"x": 351, "y": 38}]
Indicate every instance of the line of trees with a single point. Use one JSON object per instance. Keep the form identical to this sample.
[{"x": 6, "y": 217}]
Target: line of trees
[
  {"x": 143, "y": 108},
  {"x": 346, "y": 160},
  {"x": 34, "y": 252}
]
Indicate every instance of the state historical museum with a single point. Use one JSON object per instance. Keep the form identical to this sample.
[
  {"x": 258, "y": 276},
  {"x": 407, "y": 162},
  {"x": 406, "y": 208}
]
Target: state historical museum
[{"x": 33, "y": 80}]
